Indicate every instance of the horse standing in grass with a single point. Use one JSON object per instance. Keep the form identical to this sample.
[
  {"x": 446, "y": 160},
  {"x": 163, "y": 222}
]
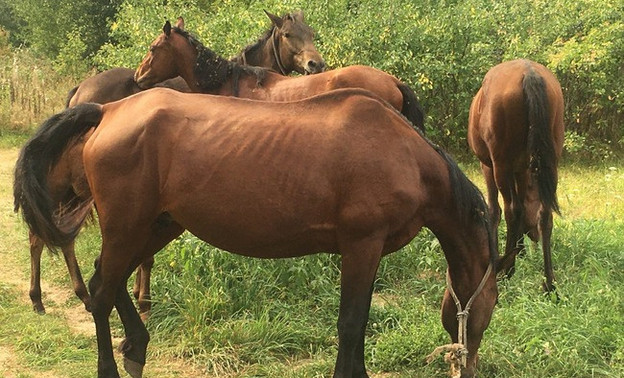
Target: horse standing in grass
[
  {"x": 342, "y": 172},
  {"x": 176, "y": 53},
  {"x": 516, "y": 130},
  {"x": 288, "y": 44}
]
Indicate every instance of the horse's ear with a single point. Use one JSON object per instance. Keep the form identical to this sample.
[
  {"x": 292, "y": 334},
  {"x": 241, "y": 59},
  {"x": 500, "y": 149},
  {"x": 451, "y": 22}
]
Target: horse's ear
[
  {"x": 277, "y": 21},
  {"x": 180, "y": 23},
  {"x": 167, "y": 28},
  {"x": 298, "y": 16}
]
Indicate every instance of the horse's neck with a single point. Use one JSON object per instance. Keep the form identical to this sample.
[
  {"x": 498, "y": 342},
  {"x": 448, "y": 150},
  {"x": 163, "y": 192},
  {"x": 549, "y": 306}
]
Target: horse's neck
[
  {"x": 263, "y": 55},
  {"x": 209, "y": 74}
]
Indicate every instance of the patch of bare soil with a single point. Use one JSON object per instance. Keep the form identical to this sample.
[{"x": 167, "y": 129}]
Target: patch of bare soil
[{"x": 55, "y": 298}]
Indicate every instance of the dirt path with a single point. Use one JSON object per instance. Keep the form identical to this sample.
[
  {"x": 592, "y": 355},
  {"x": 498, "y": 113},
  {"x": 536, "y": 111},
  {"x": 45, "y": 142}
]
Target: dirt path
[{"x": 14, "y": 274}]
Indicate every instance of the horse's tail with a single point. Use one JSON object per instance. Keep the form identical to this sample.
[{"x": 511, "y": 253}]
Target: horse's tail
[
  {"x": 412, "y": 110},
  {"x": 36, "y": 159},
  {"x": 70, "y": 95},
  {"x": 543, "y": 160}
]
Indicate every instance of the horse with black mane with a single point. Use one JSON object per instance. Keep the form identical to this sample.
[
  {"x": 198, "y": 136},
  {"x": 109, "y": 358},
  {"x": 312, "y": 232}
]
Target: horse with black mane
[
  {"x": 342, "y": 172},
  {"x": 287, "y": 46},
  {"x": 175, "y": 52}
]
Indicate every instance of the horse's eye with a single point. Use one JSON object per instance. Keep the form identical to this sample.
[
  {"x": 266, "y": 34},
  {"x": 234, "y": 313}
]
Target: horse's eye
[{"x": 287, "y": 35}]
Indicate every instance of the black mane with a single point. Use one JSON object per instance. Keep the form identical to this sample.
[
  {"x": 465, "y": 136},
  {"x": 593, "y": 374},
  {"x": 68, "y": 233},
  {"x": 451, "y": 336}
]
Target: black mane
[
  {"x": 212, "y": 71},
  {"x": 253, "y": 46}
]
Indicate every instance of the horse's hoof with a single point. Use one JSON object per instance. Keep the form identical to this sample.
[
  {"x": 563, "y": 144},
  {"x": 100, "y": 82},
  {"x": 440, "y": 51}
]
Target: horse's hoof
[
  {"x": 145, "y": 316},
  {"x": 135, "y": 369},
  {"x": 39, "y": 309},
  {"x": 507, "y": 273},
  {"x": 550, "y": 291}
]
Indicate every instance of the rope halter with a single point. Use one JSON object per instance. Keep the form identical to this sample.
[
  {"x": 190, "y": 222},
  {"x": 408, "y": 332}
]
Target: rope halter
[
  {"x": 278, "y": 60},
  {"x": 459, "y": 349}
]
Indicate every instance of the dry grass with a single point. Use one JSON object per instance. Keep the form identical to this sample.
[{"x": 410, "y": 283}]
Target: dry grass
[{"x": 30, "y": 90}]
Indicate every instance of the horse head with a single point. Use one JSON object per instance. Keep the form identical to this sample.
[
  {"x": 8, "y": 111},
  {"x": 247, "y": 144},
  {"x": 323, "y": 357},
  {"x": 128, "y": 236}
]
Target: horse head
[
  {"x": 293, "y": 44},
  {"x": 168, "y": 56}
]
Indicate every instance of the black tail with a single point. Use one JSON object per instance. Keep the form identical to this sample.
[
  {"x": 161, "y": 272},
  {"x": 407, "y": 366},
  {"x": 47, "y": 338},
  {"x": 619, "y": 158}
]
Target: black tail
[
  {"x": 70, "y": 95},
  {"x": 540, "y": 140},
  {"x": 412, "y": 110},
  {"x": 36, "y": 159}
]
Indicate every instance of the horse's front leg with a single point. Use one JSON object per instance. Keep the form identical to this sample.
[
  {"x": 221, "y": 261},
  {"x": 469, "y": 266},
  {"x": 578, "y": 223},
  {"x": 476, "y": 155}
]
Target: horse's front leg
[
  {"x": 144, "y": 298},
  {"x": 360, "y": 260}
]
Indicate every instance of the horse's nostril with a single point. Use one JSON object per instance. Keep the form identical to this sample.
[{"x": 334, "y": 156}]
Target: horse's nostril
[{"x": 311, "y": 64}]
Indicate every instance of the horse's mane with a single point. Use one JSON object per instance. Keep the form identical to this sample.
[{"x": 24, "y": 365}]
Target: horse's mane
[
  {"x": 469, "y": 199},
  {"x": 253, "y": 46},
  {"x": 212, "y": 70}
]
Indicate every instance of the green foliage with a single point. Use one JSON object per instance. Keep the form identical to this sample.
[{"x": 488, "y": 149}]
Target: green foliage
[
  {"x": 442, "y": 49},
  {"x": 45, "y": 25}
]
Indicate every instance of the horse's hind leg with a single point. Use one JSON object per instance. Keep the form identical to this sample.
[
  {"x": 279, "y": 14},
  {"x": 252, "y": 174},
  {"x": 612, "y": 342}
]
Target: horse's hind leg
[
  {"x": 103, "y": 286},
  {"x": 36, "y": 249},
  {"x": 514, "y": 217},
  {"x": 360, "y": 260},
  {"x": 546, "y": 224},
  {"x": 80, "y": 289},
  {"x": 134, "y": 346},
  {"x": 492, "y": 197}
]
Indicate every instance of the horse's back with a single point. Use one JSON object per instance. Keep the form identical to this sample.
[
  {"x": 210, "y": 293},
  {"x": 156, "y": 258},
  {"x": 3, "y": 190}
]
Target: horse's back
[
  {"x": 280, "y": 88},
  {"x": 105, "y": 87},
  {"x": 304, "y": 168},
  {"x": 498, "y": 125}
]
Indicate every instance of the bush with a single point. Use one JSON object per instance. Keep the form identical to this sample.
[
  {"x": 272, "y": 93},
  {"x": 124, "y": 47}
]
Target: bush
[{"x": 441, "y": 48}]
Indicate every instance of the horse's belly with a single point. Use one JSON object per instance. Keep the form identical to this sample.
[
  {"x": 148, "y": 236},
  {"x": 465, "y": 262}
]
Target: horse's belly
[{"x": 259, "y": 231}]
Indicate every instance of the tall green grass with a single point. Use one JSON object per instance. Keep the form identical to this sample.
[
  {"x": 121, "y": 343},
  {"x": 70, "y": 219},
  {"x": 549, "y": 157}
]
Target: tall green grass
[
  {"x": 235, "y": 316},
  {"x": 241, "y": 317},
  {"x": 253, "y": 318}
]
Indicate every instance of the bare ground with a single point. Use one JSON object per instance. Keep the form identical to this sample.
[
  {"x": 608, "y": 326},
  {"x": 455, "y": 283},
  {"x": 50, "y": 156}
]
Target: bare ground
[{"x": 15, "y": 275}]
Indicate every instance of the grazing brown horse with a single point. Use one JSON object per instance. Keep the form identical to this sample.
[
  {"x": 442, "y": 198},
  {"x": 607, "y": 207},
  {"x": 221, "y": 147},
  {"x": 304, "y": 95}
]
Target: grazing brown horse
[
  {"x": 516, "y": 131},
  {"x": 176, "y": 53},
  {"x": 342, "y": 172},
  {"x": 287, "y": 46}
]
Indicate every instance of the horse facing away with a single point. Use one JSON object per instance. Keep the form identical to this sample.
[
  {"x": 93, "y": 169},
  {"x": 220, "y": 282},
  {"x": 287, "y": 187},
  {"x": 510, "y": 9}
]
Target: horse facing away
[
  {"x": 176, "y": 53},
  {"x": 516, "y": 130},
  {"x": 272, "y": 50},
  {"x": 186, "y": 161}
]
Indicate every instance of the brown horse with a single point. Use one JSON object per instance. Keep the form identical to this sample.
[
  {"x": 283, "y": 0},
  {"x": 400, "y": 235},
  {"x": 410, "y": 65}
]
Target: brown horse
[
  {"x": 176, "y": 53},
  {"x": 516, "y": 131},
  {"x": 287, "y": 46},
  {"x": 341, "y": 172},
  {"x": 284, "y": 47}
]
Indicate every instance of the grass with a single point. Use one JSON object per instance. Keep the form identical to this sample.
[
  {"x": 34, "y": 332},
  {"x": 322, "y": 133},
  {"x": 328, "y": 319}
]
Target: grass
[
  {"x": 231, "y": 316},
  {"x": 238, "y": 317}
]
